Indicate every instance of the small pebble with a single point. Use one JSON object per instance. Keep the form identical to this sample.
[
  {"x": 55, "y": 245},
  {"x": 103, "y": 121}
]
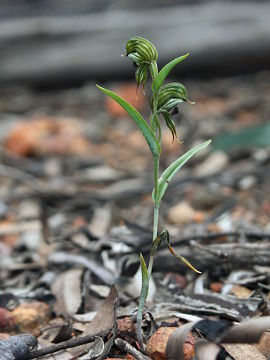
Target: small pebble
[
  {"x": 214, "y": 164},
  {"x": 181, "y": 213},
  {"x": 247, "y": 182},
  {"x": 30, "y": 317},
  {"x": 156, "y": 345}
]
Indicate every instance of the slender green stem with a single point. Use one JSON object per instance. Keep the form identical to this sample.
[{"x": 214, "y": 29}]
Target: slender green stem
[
  {"x": 156, "y": 176},
  {"x": 145, "y": 286},
  {"x": 156, "y": 207},
  {"x": 156, "y": 213},
  {"x": 155, "y": 232}
]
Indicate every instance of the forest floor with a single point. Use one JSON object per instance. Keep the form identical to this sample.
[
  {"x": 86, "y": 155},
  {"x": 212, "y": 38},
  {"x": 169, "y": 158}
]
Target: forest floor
[{"x": 76, "y": 210}]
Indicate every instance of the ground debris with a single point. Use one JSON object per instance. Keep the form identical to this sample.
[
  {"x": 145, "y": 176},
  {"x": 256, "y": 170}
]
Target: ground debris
[
  {"x": 76, "y": 209},
  {"x": 17, "y": 347}
]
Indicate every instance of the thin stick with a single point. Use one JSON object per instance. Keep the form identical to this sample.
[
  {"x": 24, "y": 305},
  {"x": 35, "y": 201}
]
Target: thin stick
[
  {"x": 65, "y": 345},
  {"x": 126, "y": 347}
]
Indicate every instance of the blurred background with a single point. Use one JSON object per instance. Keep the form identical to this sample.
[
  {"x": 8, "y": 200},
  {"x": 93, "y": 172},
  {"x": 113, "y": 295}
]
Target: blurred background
[
  {"x": 76, "y": 173},
  {"x": 66, "y": 42},
  {"x": 72, "y": 159}
]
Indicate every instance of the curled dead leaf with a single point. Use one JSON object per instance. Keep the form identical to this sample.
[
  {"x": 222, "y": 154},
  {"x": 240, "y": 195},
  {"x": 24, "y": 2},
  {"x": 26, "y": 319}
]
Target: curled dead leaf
[{"x": 219, "y": 332}]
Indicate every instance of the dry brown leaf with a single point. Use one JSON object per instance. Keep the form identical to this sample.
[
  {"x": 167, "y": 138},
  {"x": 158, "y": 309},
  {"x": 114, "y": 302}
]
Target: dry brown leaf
[
  {"x": 67, "y": 290},
  {"x": 104, "y": 318}
]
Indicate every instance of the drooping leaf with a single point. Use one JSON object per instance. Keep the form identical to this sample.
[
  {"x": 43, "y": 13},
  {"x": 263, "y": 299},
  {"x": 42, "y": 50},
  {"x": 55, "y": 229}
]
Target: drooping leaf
[
  {"x": 165, "y": 71},
  {"x": 143, "y": 296},
  {"x": 164, "y": 235},
  {"x": 139, "y": 120},
  {"x": 172, "y": 169}
]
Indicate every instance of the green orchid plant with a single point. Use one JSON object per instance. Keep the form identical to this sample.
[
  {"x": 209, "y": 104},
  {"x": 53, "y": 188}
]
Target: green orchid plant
[{"x": 164, "y": 103}]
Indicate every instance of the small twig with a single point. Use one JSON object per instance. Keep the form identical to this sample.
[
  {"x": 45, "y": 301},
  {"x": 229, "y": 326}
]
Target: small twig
[
  {"x": 213, "y": 236},
  {"x": 126, "y": 347},
  {"x": 65, "y": 345},
  {"x": 214, "y": 252}
]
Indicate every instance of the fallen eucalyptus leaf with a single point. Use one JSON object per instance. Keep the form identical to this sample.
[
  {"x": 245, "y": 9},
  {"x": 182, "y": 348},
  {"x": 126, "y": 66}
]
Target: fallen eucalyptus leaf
[
  {"x": 104, "y": 318},
  {"x": 67, "y": 290}
]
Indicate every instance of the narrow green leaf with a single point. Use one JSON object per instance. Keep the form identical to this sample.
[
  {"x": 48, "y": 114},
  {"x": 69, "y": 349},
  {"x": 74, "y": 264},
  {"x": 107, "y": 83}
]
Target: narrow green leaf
[
  {"x": 137, "y": 117},
  {"x": 172, "y": 169},
  {"x": 165, "y": 71},
  {"x": 143, "y": 297}
]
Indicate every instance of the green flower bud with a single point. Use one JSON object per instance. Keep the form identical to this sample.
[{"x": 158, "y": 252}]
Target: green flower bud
[
  {"x": 170, "y": 95},
  {"x": 144, "y": 55},
  {"x": 141, "y": 50}
]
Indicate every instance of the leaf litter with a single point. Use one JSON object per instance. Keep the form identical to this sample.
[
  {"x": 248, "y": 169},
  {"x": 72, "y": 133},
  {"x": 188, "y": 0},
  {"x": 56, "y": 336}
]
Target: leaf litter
[{"x": 91, "y": 202}]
